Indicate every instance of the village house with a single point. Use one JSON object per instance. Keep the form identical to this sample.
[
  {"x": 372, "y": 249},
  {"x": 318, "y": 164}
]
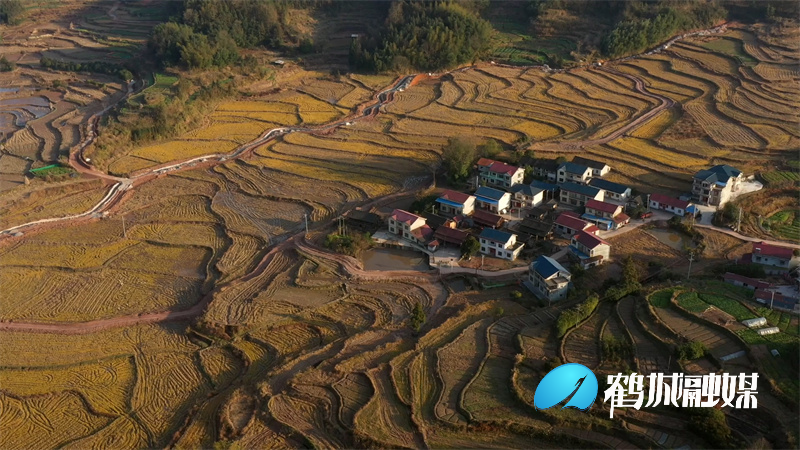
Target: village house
[
  {"x": 486, "y": 219},
  {"x": 573, "y": 173},
  {"x": 500, "y": 244},
  {"x": 607, "y": 216},
  {"x": 492, "y": 200},
  {"x": 410, "y": 227},
  {"x": 775, "y": 259},
  {"x": 448, "y": 235},
  {"x": 526, "y": 196},
  {"x": 362, "y": 221},
  {"x": 568, "y": 223},
  {"x": 550, "y": 190},
  {"x": 536, "y": 229},
  {"x": 599, "y": 169},
  {"x": 776, "y": 300},
  {"x": 579, "y": 194},
  {"x": 548, "y": 279},
  {"x": 497, "y": 173},
  {"x": 453, "y": 203},
  {"x": 741, "y": 280},
  {"x": 546, "y": 169},
  {"x": 671, "y": 204},
  {"x": 613, "y": 191},
  {"x": 590, "y": 249},
  {"x": 714, "y": 186}
]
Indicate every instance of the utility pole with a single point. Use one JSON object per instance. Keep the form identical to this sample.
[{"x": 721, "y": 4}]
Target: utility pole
[
  {"x": 691, "y": 258},
  {"x": 772, "y": 300},
  {"x": 739, "y": 222},
  {"x": 124, "y": 230},
  {"x": 305, "y": 216}
]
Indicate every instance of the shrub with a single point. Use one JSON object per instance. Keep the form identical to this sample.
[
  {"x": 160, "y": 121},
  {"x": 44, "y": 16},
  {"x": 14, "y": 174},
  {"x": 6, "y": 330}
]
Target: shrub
[
  {"x": 6, "y": 65},
  {"x": 691, "y": 351},
  {"x": 712, "y": 425},
  {"x": 573, "y": 316},
  {"x": 417, "y": 318},
  {"x": 352, "y": 245},
  {"x": 470, "y": 247}
]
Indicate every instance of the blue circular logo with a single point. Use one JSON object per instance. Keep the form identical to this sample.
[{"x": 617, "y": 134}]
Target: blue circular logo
[{"x": 572, "y": 384}]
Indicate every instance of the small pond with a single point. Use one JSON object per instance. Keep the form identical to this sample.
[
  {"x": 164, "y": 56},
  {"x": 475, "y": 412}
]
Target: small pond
[
  {"x": 394, "y": 259},
  {"x": 672, "y": 238}
]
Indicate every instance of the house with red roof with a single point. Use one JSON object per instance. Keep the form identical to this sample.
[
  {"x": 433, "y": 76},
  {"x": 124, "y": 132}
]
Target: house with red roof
[
  {"x": 743, "y": 281},
  {"x": 589, "y": 249},
  {"x": 568, "y": 223},
  {"x": 671, "y": 204},
  {"x": 409, "y": 226},
  {"x": 498, "y": 173},
  {"x": 775, "y": 256},
  {"x": 607, "y": 216},
  {"x": 454, "y": 203}
]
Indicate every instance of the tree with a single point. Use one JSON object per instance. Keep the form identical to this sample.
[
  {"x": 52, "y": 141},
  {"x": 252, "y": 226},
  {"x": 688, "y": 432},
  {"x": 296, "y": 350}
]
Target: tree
[
  {"x": 417, "y": 318},
  {"x": 490, "y": 149},
  {"x": 561, "y": 160},
  {"x": 6, "y": 65},
  {"x": 458, "y": 156},
  {"x": 11, "y": 11},
  {"x": 470, "y": 247}
]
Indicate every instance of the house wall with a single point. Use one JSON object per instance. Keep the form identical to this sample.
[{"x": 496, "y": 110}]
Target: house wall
[
  {"x": 573, "y": 198},
  {"x": 539, "y": 284},
  {"x": 563, "y": 176},
  {"x": 677, "y": 211},
  {"x": 500, "y": 250}
]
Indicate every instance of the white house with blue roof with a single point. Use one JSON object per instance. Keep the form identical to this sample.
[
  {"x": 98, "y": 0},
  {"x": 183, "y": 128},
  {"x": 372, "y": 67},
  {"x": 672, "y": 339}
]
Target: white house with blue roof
[
  {"x": 526, "y": 196},
  {"x": 492, "y": 199},
  {"x": 548, "y": 279},
  {"x": 714, "y": 186},
  {"x": 613, "y": 191},
  {"x": 500, "y": 244},
  {"x": 573, "y": 173}
]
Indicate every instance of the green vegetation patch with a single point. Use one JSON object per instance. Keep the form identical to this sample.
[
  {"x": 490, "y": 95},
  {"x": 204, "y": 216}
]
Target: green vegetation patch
[
  {"x": 660, "y": 299},
  {"x": 690, "y": 301},
  {"x": 781, "y": 177},
  {"x": 784, "y": 224},
  {"x": 731, "y": 47},
  {"x": 727, "y": 304}
]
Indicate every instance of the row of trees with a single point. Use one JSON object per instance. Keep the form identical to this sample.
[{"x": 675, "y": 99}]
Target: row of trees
[
  {"x": 424, "y": 36},
  {"x": 89, "y": 66},
  {"x": 573, "y": 316},
  {"x": 459, "y": 155},
  {"x": 634, "y": 36}
]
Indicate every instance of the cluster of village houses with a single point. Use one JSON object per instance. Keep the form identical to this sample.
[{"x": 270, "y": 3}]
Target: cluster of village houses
[{"x": 591, "y": 206}]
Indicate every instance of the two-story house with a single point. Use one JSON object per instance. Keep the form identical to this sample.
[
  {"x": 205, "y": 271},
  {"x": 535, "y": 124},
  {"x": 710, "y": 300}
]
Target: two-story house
[
  {"x": 526, "y": 196},
  {"x": 410, "y": 227},
  {"x": 492, "y": 200},
  {"x": 498, "y": 173},
  {"x": 671, "y": 204},
  {"x": 545, "y": 169},
  {"x": 579, "y": 194},
  {"x": 573, "y": 173},
  {"x": 500, "y": 244},
  {"x": 453, "y": 203},
  {"x": 599, "y": 168},
  {"x": 589, "y": 249},
  {"x": 614, "y": 192},
  {"x": 568, "y": 223},
  {"x": 715, "y": 186},
  {"x": 548, "y": 279},
  {"x": 607, "y": 216}
]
